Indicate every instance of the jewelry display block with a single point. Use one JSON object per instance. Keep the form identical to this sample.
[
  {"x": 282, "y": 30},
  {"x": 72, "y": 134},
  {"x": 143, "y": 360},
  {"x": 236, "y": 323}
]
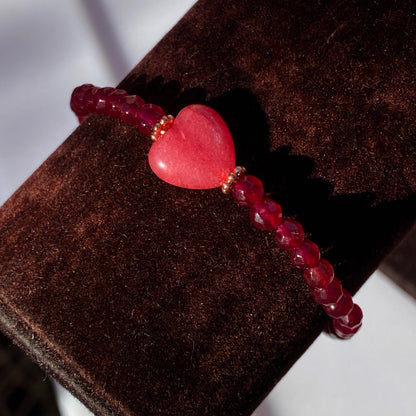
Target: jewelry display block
[{"x": 145, "y": 299}]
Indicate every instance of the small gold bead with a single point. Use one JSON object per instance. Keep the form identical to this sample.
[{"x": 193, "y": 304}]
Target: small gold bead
[
  {"x": 225, "y": 188},
  {"x": 239, "y": 170},
  {"x": 157, "y": 127},
  {"x": 232, "y": 178},
  {"x": 163, "y": 120},
  {"x": 161, "y": 127}
]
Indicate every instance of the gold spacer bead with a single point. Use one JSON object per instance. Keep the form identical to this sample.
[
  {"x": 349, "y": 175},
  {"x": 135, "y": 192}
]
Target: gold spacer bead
[
  {"x": 239, "y": 170},
  {"x": 232, "y": 178},
  {"x": 163, "y": 120},
  {"x": 225, "y": 188},
  {"x": 162, "y": 126},
  {"x": 157, "y": 127}
]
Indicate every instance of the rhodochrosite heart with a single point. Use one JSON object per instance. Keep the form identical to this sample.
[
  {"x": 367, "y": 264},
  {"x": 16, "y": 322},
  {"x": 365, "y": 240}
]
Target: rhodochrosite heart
[{"x": 197, "y": 152}]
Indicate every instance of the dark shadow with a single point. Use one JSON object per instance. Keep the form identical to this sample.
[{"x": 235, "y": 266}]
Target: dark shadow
[
  {"x": 354, "y": 231},
  {"x": 24, "y": 387},
  {"x": 400, "y": 265}
]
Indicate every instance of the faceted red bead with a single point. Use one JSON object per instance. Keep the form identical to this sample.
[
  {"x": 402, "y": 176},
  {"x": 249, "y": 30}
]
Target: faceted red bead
[
  {"x": 331, "y": 293},
  {"x": 101, "y": 98},
  {"x": 114, "y": 101},
  {"x": 320, "y": 275},
  {"x": 247, "y": 190},
  {"x": 149, "y": 115},
  {"x": 77, "y": 99},
  {"x": 342, "y": 331},
  {"x": 130, "y": 107},
  {"x": 353, "y": 318},
  {"x": 89, "y": 99},
  {"x": 266, "y": 214},
  {"x": 340, "y": 308},
  {"x": 289, "y": 234},
  {"x": 306, "y": 255}
]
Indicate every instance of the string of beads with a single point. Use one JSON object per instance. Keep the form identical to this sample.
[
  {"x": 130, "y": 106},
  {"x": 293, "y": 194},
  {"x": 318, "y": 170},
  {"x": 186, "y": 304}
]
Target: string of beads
[{"x": 247, "y": 191}]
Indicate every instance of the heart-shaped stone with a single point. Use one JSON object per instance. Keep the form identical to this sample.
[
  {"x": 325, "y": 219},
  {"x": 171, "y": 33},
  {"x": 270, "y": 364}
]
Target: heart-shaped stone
[{"x": 197, "y": 152}]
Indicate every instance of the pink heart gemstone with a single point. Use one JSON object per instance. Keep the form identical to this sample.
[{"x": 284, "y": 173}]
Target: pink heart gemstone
[{"x": 197, "y": 152}]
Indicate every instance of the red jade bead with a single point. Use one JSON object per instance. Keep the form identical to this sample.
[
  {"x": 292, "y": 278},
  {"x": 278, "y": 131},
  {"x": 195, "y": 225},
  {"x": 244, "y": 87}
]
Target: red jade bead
[
  {"x": 247, "y": 190},
  {"x": 100, "y": 99},
  {"x": 306, "y": 255},
  {"x": 320, "y": 275},
  {"x": 331, "y": 293},
  {"x": 89, "y": 99},
  {"x": 266, "y": 214},
  {"x": 148, "y": 116},
  {"x": 340, "y": 308},
  {"x": 114, "y": 101},
  {"x": 342, "y": 331},
  {"x": 130, "y": 107},
  {"x": 353, "y": 319},
  {"x": 197, "y": 152},
  {"x": 289, "y": 234},
  {"x": 77, "y": 99}
]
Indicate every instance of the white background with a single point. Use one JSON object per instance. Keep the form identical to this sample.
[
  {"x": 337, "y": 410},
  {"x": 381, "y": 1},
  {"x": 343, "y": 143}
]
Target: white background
[{"x": 49, "y": 47}]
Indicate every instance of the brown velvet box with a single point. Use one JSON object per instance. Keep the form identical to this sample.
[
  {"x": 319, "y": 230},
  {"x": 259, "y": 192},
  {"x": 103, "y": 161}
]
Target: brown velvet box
[{"x": 146, "y": 299}]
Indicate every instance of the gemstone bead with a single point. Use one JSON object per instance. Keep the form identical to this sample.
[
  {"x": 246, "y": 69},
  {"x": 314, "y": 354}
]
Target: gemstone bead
[
  {"x": 208, "y": 160},
  {"x": 289, "y": 234},
  {"x": 114, "y": 101},
  {"x": 130, "y": 107},
  {"x": 320, "y": 275},
  {"x": 247, "y": 190},
  {"x": 100, "y": 99},
  {"x": 149, "y": 115},
  {"x": 266, "y": 214},
  {"x": 197, "y": 152},
  {"x": 89, "y": 99},
  {"x": 331, "y": 293},
  {"x": 77, "y": 99},
  {"x": 340, "y": 308},
  {"x": 342, "y": 331},
  {"x": 306, "y": 255},
  {"x": 353, "y": 318}
]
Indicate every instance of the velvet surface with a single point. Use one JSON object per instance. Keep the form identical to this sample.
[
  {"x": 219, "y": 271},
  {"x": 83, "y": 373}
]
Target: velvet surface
[
  {"x": 147, "y": 299},
  {"x": 398, "y": 267}
]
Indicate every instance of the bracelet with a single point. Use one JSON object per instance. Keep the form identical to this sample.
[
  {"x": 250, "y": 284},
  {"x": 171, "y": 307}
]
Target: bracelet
[{"x": 208, "y": 161}]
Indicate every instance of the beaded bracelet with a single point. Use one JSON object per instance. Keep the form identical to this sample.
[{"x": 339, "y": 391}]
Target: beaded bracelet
[{"x": 208, "y": 161}]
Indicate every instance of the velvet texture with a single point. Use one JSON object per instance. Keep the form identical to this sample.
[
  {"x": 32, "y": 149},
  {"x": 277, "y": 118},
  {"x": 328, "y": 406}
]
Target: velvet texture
[
  {"x": 146, "y": 299},
  {"x": 400, "y": 265}
]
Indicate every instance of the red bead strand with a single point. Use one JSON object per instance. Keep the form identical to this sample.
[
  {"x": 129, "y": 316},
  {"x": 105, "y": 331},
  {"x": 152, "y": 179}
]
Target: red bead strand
[
  {"x": 248, "y": 191},
  {"x": 132, "y": 109},
  {"x": 327, "y": 290}
]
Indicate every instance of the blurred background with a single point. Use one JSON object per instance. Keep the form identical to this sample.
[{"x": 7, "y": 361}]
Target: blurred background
[{"x": 47, "y": 48}]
